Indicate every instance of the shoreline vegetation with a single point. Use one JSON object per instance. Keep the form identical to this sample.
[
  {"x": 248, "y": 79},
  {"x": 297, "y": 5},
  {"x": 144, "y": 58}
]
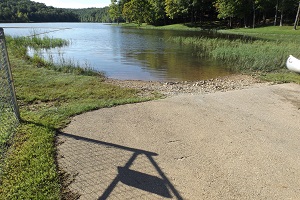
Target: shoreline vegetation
[{"x": 49, "y": 95}]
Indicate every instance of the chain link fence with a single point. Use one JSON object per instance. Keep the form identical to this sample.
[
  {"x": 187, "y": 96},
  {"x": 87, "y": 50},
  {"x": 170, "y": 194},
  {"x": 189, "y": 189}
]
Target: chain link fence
[{"x": 9, "y": 113}]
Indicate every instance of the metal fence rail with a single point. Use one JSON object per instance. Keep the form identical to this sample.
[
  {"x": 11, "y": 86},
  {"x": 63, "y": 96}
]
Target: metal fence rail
[{"x": 9, "y": 113}]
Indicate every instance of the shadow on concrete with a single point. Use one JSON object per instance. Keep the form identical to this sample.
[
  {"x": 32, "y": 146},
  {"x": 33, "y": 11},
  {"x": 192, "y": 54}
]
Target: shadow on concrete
[
  {"x": 153, "y": 184},
  {"x": 144, "y": 181}
]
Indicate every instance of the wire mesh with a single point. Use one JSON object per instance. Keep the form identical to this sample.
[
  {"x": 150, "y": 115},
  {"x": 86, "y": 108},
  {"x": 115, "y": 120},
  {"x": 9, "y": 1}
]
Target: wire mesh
[{"x": 9, "y": 114}]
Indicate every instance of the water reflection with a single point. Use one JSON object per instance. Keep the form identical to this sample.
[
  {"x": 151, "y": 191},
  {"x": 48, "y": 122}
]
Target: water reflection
[
  {"x": 125, "y": 53},
  {"x": 170, "y": 61}
]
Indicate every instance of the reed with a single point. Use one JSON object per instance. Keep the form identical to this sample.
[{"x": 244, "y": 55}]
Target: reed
[
  {"x": 64, "y": 65},
  {"x": 251, "y": 55},
  {"x": 19, "y": 47},
  {"x": 38, "y": 42}
]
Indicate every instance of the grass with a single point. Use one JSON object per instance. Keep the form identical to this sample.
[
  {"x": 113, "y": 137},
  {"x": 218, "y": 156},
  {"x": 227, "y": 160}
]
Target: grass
[
  {"x": 30, "y": 171},
  {"x": 8, "y": 119},
  {"x": 241, "y": 55},
  {"x": 287, "y": 77},
  {"x": 283, "y": 41},
  {"x": 8, "y": 123},
  {"x": 38, "y": 42},
  {"x": 177, "y": 27},
  {"x": 47, "y": 100},
  {"x": 268, "y": 30}
]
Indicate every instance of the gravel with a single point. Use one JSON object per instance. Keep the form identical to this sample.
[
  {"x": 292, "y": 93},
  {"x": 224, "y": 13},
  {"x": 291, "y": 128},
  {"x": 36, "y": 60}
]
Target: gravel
[{"x": 223, "y": 84}]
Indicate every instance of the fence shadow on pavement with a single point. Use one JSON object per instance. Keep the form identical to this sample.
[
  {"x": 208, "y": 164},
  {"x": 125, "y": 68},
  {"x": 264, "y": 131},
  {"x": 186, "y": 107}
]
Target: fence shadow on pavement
[{"x": 110, "y": 171}]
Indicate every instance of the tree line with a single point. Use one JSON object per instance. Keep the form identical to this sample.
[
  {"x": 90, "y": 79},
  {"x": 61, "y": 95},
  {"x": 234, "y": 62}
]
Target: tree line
[
  {"x": 29, "y": 11},
  {"x": 235, "y": 12},
  {"x": 93, "y": 14}
]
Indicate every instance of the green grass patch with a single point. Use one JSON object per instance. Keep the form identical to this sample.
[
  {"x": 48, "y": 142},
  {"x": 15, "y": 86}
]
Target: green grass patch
[
  {"x": 47, "y": 100},
  {"x": 286, "y": 77},
  {"x": 8, "y": 124},
  {"x": 268, "y": 30},
  {"x": 178, "y": 27},
  {"x": 30, "y": 171},
  {"x": 50, "y": 93},
  {"x": 274, "y": 33}
]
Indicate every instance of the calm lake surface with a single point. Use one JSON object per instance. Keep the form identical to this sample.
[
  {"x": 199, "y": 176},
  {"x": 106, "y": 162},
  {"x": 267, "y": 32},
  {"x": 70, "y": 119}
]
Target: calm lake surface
[{"x": 124, "y": 53}]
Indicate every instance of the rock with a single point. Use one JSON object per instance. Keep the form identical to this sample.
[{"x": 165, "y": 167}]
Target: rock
[{"x": 223, "y": 84}]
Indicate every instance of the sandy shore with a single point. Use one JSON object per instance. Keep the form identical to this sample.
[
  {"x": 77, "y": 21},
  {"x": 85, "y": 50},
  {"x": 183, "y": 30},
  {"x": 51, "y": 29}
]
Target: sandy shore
[{"x": 239, "y": 144}]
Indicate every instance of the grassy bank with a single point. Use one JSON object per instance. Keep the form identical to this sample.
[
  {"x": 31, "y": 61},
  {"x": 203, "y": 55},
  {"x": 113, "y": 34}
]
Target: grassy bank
[
  {"x": 47, "y": 100},
  {"x": 283, "y": 41},
  {"x": 243, "y": 55},
  {"x": 266, "y": 53}
]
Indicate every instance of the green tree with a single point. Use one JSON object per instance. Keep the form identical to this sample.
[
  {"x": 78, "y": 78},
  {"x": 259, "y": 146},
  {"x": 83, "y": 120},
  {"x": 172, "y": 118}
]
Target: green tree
[
  {"x": 157, "y": 8},
  {"x": 173, "y": 8},
  {"x": 138, "y": 11},
  {"x": 22, "y": 17},
  {"x": 26, "y": 10},
  {"x": 227, "y": 9},
  {"x": 115, "y": 11}
]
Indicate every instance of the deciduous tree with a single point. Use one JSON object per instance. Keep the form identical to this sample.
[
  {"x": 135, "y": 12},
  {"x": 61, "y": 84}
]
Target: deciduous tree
[
  {"x": 137, "y": 10},
  {"x": 115, "y": 11}
]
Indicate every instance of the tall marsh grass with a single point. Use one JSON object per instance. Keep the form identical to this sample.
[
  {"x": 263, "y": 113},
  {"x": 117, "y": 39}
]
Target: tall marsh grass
[
  {"x": 19, "y": 47},
  {"x": 64, "y": 65},
  {"x": 37, "y": 42},
  {"x": 252, "y": 55}
]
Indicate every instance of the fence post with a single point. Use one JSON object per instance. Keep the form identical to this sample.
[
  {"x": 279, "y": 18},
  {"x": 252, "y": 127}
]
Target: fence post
[{"x": 6, "y": 66}]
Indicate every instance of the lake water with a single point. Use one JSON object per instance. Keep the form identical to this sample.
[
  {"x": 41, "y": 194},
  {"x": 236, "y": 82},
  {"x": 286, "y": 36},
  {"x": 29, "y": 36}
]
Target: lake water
[{"x": 124, "y": 53}]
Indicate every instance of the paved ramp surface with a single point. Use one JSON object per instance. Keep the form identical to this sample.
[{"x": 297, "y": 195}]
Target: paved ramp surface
[{"x": 235, "y": 145}]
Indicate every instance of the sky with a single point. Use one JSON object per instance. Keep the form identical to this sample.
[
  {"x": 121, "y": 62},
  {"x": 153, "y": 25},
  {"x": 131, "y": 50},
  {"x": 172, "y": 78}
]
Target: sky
[{"x": 75, "y": 3}]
